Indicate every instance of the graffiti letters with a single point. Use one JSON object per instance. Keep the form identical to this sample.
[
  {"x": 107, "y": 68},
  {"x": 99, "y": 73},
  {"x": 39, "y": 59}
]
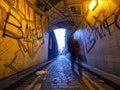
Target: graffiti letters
[
  {"x": 10, "y": 65},
  {"x": 117, "y": 19},
  {"x": 22, "y": 47},
  {"x": 14, "y": 31},
  {"x": 20, "y": 33},
  {"x": 104, "y": 29}
]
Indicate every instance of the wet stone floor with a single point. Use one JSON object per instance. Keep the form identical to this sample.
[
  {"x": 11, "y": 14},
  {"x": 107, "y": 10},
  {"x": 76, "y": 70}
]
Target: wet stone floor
[{"x": 60, "y": 77}]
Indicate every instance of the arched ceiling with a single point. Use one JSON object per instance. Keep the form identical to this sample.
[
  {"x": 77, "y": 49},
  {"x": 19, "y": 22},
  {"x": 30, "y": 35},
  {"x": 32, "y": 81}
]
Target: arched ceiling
[{"x": 67, "y": 14}]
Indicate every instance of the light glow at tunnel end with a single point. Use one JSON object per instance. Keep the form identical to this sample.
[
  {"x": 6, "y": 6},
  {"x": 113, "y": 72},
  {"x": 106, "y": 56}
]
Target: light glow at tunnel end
[{"x": 60, "y": 36}]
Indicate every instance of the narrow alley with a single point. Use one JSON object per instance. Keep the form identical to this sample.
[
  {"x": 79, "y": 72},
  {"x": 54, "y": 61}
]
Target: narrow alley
[{"x": 59, "y": 76}]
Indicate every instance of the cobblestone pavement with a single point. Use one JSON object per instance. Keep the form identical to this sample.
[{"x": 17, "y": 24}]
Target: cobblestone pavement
[{"x": 60, "y": 76}]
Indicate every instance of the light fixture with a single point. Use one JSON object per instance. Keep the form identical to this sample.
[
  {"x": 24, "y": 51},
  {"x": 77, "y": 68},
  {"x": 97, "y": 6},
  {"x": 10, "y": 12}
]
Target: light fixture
[
  {"x": 93, "y": 4},
  {"x": 99, "y": 1}
]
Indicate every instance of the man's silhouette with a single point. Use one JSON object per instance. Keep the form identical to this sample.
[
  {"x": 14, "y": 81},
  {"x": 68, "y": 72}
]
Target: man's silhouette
[{"x": 75, "y": 52}]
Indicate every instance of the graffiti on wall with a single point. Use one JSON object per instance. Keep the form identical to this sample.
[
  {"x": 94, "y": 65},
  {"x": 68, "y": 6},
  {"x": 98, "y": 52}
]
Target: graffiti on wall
[
  {"x": 101, "y": 29},
  {"x": 18, "y": 38},
  {"x": 11, "y": 29}
]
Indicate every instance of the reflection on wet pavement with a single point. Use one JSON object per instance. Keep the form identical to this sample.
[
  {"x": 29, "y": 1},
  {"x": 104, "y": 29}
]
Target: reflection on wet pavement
[{"x": 60, "y": 76}]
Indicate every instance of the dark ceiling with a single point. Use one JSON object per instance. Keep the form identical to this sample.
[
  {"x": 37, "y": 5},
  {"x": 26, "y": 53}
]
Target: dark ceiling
[
  {"x": 62, "y": 15},
  {"x": 43, "y": 4}
]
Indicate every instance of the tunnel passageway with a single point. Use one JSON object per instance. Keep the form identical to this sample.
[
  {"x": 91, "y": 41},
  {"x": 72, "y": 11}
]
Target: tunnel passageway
[
  {"x": 30, "y": 57},
  {"x": 60, "y": 76}
]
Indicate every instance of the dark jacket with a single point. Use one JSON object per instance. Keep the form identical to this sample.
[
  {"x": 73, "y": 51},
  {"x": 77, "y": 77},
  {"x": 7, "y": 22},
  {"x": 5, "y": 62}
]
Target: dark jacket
[{"x": 74, "y": 47}]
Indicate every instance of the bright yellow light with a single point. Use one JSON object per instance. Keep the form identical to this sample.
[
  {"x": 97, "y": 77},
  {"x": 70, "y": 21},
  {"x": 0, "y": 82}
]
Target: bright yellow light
[
  {"x": 92, "y": 5},
  {"x": 100, "y": 1}
]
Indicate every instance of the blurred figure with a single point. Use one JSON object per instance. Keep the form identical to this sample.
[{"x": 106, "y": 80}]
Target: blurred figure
[{"x": 75, "y": 52}]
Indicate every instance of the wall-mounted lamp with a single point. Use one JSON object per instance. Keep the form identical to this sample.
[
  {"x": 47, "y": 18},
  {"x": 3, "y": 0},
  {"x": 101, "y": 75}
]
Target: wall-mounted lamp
[{"x": 93, "y": 4}]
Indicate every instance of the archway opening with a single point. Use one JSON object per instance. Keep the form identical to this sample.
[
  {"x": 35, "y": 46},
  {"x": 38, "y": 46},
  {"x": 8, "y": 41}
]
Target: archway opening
[{"x": 60, "y": 36}]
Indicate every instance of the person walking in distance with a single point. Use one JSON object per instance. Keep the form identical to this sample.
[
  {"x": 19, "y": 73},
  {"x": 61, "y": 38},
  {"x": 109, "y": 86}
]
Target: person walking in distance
[{"x": 75, "y": 52}]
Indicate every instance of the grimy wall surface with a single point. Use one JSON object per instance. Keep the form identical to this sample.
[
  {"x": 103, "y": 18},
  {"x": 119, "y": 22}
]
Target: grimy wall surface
[
  {"x": 101, "y": 36},
  {"x": 22, "y": 37}
]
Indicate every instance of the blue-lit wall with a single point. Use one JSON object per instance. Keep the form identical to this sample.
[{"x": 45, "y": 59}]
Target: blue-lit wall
[
  {"x": 53, "y": 46},
  {"x": 100, "y": 38}
]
